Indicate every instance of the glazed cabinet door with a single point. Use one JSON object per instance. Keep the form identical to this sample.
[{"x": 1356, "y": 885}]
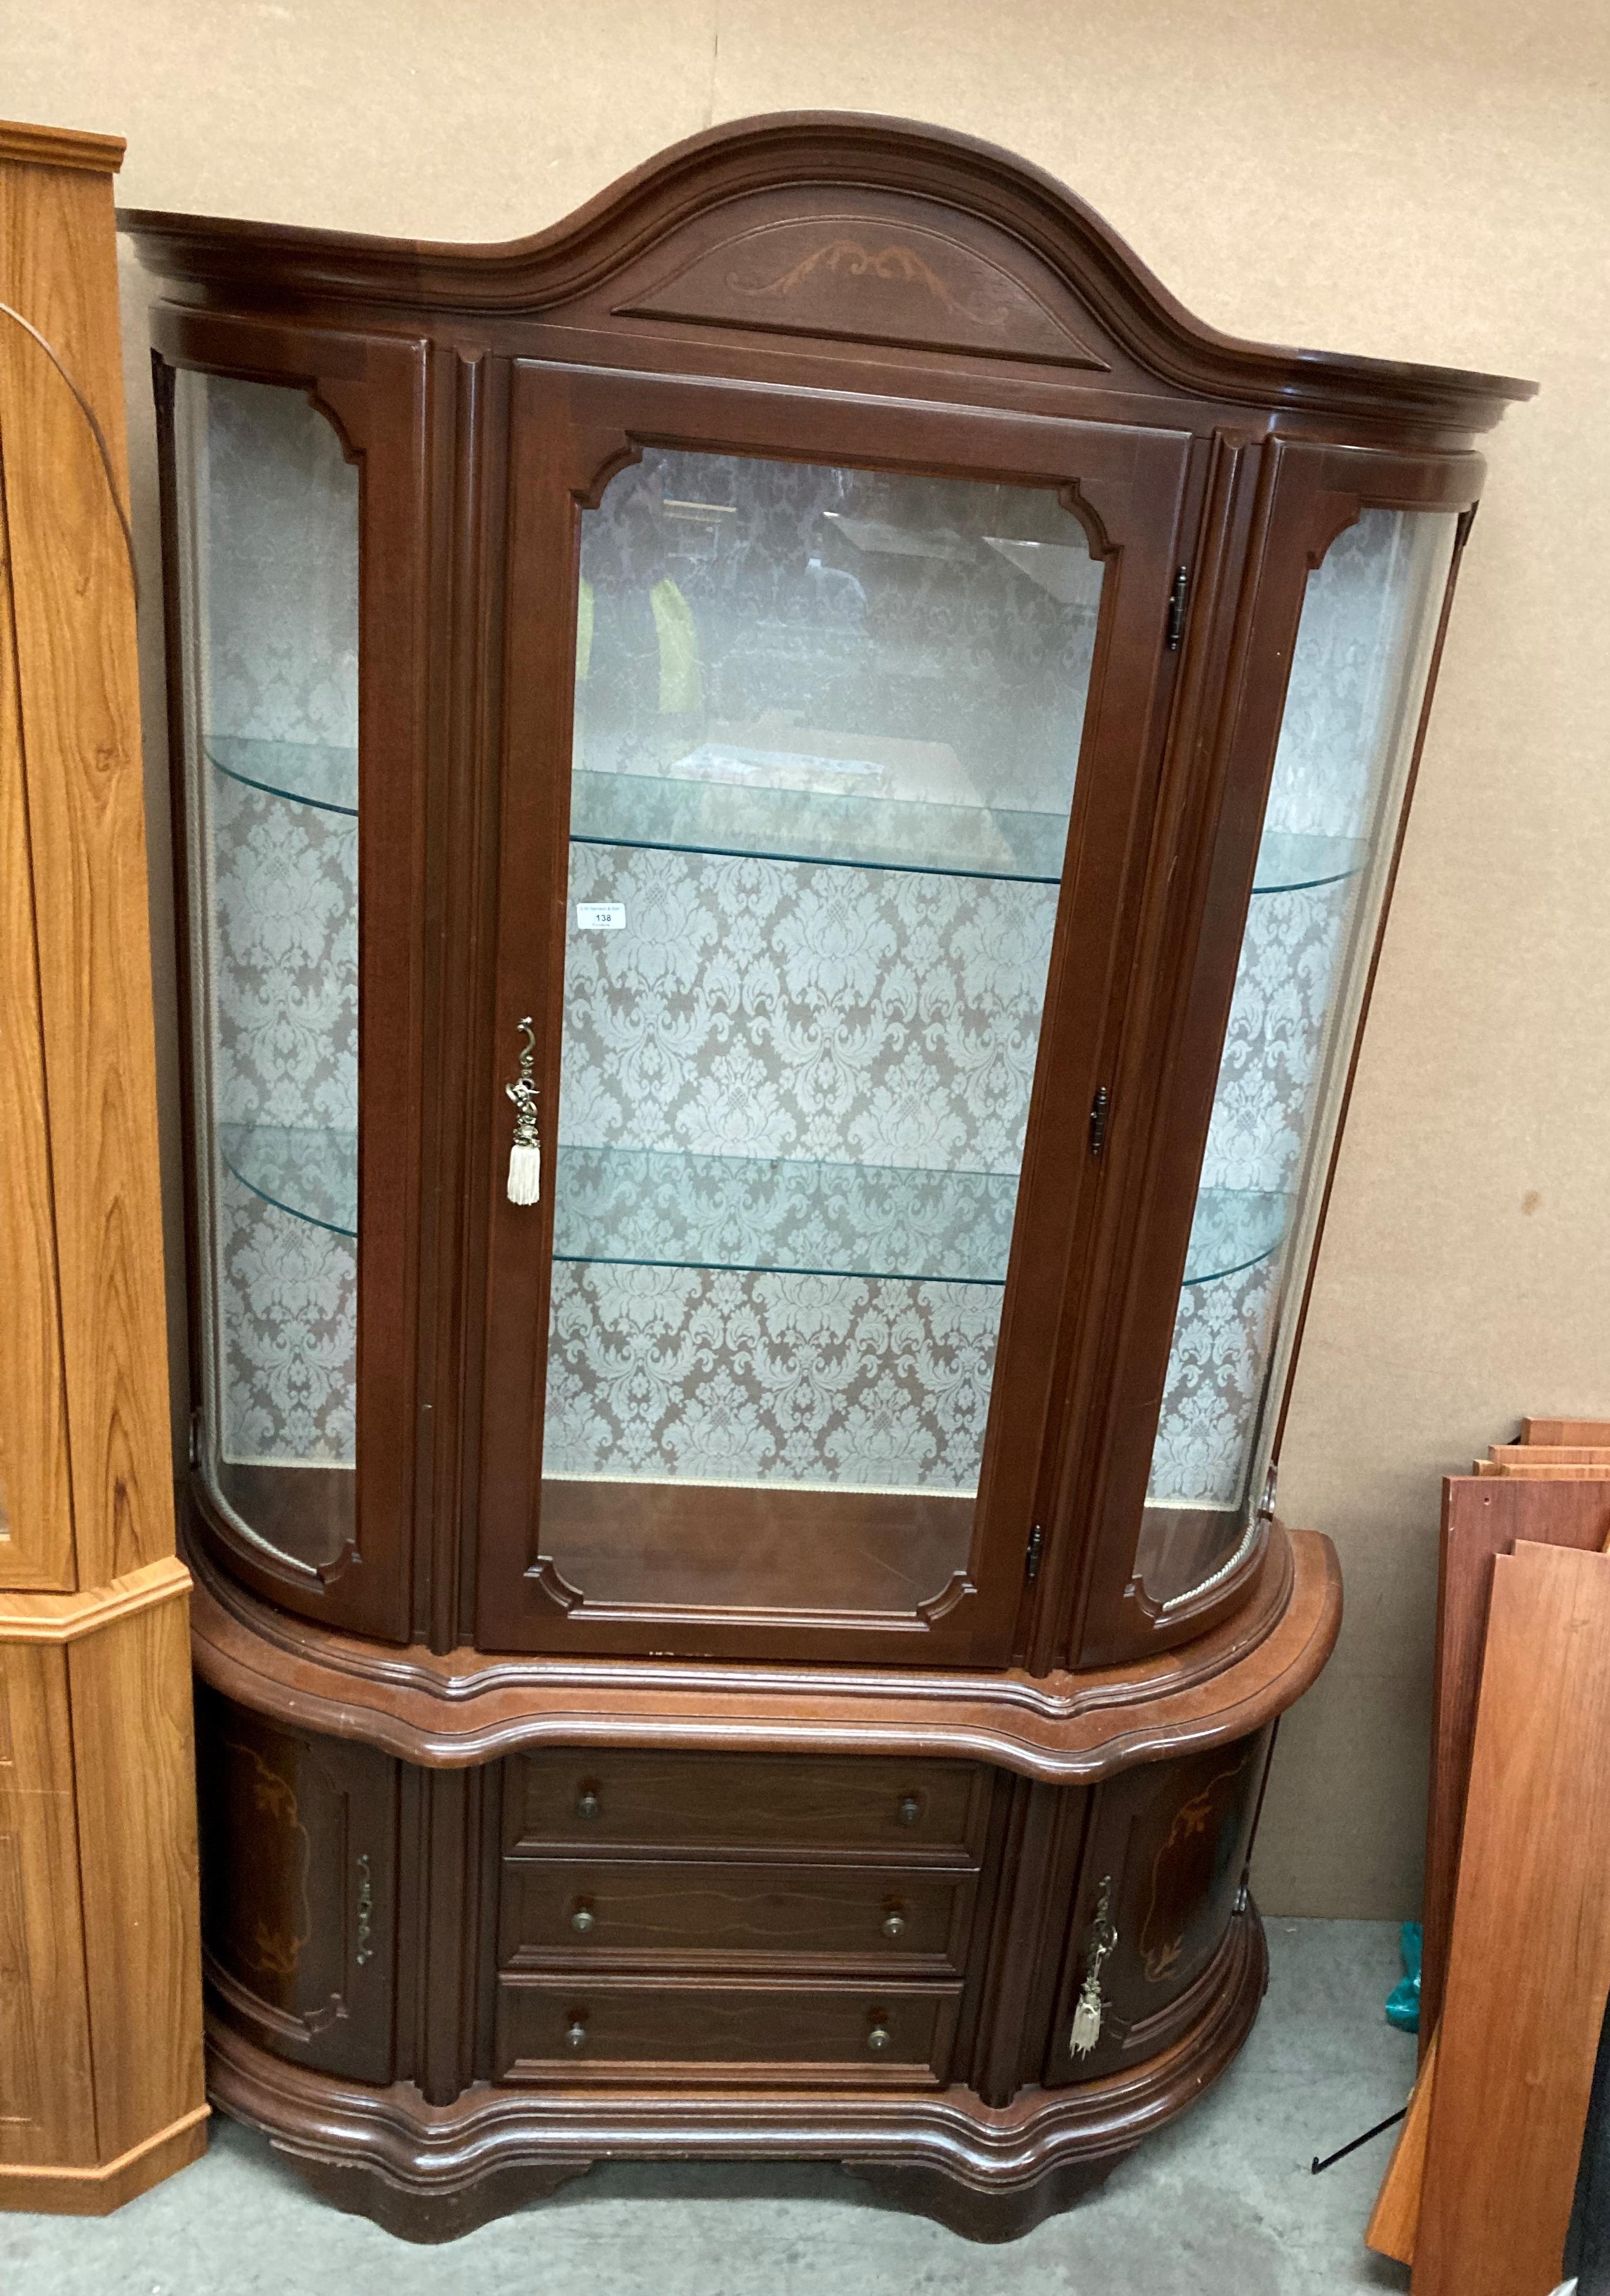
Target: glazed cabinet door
[
  {"x": 293, "y": 500},
  {"x": 1305, "y": 750},
  {"x": 832, "y": 730}
]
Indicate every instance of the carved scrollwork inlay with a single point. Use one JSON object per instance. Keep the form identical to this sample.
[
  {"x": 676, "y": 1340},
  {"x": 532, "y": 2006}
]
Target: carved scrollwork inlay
[
  {"x": 277, "y": 1952},
  {"x": 1181, "y": 1870},
  {"x": 851, "y": 259},
  {"x": 878, "y": 277}
]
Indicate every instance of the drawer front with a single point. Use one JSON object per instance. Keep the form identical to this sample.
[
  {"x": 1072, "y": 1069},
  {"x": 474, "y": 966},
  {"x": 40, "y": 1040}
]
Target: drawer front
[
  {"x": 561, "y": 1798},
  {"x": 653, "y": 1909},
  {"x": 581, "y": 2029}
]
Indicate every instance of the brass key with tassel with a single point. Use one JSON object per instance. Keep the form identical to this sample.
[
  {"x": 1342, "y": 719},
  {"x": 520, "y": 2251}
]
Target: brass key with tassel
[
  {"x": 1091, "y": 2008},
  {"x": 525, "y": 1153}
]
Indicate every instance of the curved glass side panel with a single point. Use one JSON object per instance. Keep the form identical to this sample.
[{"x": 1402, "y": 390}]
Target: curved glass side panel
[
  {"x": 1352, "y": 705},
  {"x": 269, "y": 525},
  {"x": 828, "y": 723}
]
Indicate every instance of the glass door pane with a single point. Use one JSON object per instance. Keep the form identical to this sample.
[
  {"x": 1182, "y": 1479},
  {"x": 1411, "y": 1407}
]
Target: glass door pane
[
  {"x": 828, "y": 723},
  {"x": 269, "y": 512},
  {"x": 1352, "y": 705}
]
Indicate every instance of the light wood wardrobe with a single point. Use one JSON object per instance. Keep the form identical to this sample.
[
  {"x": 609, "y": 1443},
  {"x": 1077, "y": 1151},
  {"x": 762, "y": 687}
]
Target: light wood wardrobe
[{"x": 101, "y": 2076}]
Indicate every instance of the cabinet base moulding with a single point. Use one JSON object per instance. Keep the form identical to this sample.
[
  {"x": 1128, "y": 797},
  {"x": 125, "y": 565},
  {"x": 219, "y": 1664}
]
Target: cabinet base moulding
[
  {"x": 97, "y": 2192},
  {"x": 434, "y": 2172},
  {"x": 101, "y": 2064}
]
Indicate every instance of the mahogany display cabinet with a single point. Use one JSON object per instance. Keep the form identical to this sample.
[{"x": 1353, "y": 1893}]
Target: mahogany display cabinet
[{"x": 788, "y": 793}]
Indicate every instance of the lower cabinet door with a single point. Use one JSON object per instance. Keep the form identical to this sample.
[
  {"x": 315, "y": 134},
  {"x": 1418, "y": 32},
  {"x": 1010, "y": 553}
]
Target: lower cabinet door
[
  {"x": 582, "y": 2028},
  {"x": 299, "y": 1854},
  {"x": 1164, "y": 1859}
]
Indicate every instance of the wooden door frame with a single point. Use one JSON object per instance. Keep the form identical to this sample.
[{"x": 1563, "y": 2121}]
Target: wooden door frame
[
  {"x": 371, "y": 389},
  {"x": 1135, "y": 491},
  {"x": 1290, "y": 500}
]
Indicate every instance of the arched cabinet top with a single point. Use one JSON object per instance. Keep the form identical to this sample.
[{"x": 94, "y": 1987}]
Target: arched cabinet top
[{"x": 893, "y": 246}]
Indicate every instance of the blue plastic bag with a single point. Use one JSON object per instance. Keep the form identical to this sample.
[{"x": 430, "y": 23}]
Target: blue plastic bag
[{"x": 1403, "y": 2001}]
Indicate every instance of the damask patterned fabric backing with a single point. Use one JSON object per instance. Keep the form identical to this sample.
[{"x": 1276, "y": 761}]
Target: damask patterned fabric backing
[
  {"x": 277, "y": 510},
  {"x": 1356, "y": 674},
  {"x": 773, "y": 1010},
  {"x": 773, "y": 1007}
]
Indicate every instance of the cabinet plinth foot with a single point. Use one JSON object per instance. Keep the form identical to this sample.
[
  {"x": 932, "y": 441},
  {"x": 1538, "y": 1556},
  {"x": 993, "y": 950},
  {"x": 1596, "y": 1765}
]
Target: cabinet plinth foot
[
  {"x": 979, "y": 2214},
  {"x": 428, "y": 2215}
]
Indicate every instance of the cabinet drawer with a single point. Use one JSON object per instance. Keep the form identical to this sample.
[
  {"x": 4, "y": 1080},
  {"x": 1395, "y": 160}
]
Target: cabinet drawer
[
  {"x": 576, "y": 1909},
  {"x": 578, "y": 2028},
  {"x": 905, "y": 1809}
]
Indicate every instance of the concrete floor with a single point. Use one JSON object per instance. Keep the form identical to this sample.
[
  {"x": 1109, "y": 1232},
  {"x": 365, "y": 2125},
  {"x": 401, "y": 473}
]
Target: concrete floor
[{"x": 1222, "y": 2201}]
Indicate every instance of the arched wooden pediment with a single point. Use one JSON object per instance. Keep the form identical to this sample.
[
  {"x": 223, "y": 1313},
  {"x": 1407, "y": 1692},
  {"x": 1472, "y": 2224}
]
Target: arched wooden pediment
[{"x": 841, "y": 227}]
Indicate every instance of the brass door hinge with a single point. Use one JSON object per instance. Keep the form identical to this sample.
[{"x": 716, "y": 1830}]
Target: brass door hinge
[{"x": 1176, "y": 609}]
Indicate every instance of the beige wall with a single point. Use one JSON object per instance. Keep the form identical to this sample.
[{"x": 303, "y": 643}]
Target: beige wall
[{"x": 1417, "y": 178}]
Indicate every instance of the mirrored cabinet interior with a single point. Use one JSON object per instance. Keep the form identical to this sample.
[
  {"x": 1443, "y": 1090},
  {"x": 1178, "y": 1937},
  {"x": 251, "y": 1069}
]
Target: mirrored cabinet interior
[{"x": 788, "y": 796}]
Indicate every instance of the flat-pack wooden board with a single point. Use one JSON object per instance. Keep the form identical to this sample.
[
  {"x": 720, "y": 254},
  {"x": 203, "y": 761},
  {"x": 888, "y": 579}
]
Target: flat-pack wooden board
[
  {"x": 1530, "y": 1965},
  {"x": 1544, "y": 1471},
  {"x": 1549, "y": 1455},
  {"x": 1565, "y": 1431},
  {"x": 1482, "y": 1517},
  {"x": 1394, "y": 2219}
]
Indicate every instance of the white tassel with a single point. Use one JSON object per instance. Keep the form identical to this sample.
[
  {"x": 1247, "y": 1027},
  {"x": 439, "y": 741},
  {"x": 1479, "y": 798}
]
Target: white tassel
[
  {"x": 525, "y": 1174},
  {"x": 1087, "y": 2027}
]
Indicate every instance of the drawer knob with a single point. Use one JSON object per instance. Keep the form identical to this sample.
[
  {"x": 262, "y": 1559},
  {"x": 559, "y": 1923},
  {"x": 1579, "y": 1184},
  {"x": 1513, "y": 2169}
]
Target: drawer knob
[
  {"x": 893, "y": 1922},
  {"x": 877, "y": 2037},
  {"x": 583, "y": 1919},
  {"x": 588, "y": 1802},
  {"x": 576, "y": 2033},
  {"x": 911, "y": 1810}
]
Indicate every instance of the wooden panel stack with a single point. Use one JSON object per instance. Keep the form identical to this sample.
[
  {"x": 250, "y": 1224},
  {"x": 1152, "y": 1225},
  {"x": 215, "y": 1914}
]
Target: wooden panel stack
[
  {"x": 100, "y": 2073},
  {"x": 1516, "y": 1959}
]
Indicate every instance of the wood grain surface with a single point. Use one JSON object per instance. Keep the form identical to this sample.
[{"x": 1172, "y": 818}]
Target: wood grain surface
[
  {"x": 46, "y": 2106},
  {"x": 1482, "y": 1517},
  {"x": 462, "y": 1708},
  {"x": 668, "y": 1912},
  {"x": 1550, "y": 1454},
  {"x": 1565, "y": 1431},
  {"x": 1530, "y": 1964},
  {"x": 1543, "y": 1471},
  {"x": 565, "y": 2028},
  {"x": 905, "y": 1808},
  {"x": 35, "y": 1491},
  {"x": 1394, "y": 2219},
  {"x": 73, "y": 627},
  {"x": 130, "y": 1686}
]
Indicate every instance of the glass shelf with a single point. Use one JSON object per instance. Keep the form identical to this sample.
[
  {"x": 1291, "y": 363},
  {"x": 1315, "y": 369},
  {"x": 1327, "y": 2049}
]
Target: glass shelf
[
  {"x": 311, "y": 1173},
  {"x": 642, "y": 1208},
  {"x": 709, "y": 811},
  {"x": 646, "y": 1208},
  {"x": 1288, "y": 862},
  {"x": 306, "y": 773},
  {"x": 1233, "y": 1229},
  {"x": 839, "y": 829}
]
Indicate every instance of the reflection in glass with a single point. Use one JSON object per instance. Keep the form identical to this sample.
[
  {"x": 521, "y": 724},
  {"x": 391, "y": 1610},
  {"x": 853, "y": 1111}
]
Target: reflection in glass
[
  {"x": 827, "y": 728},
  {"x": 1358, "y": 674},
  {"x": 270, "y": 511}
]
